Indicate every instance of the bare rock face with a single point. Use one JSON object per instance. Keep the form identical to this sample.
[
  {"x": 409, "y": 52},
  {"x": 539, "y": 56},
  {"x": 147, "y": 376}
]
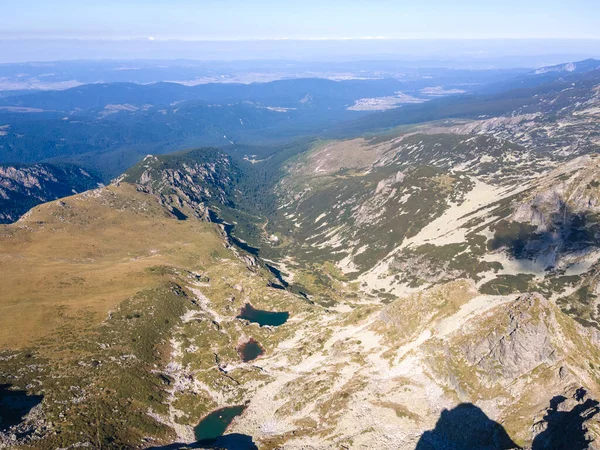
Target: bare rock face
[
  {"x": 542, "y": 208},
  {"x": 193, "y": 182},
  {"x": 496, "y": 352},
  {"x": 521, "y": 342},
  {"x": 526, "y": 362},
  {"x": 24, "y": 186},
  {"x": 572, "y": 191}
]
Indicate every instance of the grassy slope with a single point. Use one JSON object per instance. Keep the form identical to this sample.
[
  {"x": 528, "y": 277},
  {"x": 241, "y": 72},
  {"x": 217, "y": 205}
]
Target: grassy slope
[
  {"x": 92, "y": 319},
  {"x": 63, "y": 259}
]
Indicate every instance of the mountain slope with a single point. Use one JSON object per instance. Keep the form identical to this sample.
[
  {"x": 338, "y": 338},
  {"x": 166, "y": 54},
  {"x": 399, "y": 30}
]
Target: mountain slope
[
  {"x": 381, "y": 384},
  {"x": 193, "y": 180},
  {"x": 579, "y": 67},
  {"x": 138, "y": 312},
  {"x": 121, "y": 321},
  {"x": 443, "y": 200},
  {"x": 430, "y": 286}
]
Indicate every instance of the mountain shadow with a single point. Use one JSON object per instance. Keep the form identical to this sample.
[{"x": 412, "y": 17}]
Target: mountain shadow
[
  {"x": 233, "y": 441},
  {"x": 567, "y": 232},
  {"x": 465, "y": 427},
  {"x": 14, "y": 406},
  {"x": 566, "y": 430}
]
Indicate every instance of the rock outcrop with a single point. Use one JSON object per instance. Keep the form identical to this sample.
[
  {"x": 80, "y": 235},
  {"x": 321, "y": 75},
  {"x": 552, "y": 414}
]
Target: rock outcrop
[{"x": 24, "y": 186}]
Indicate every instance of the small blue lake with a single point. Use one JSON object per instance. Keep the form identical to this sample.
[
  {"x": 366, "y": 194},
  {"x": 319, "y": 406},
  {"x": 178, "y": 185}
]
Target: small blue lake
[
  {"x": 216, "y": 423},
  {"x": 263, "y": 318}
]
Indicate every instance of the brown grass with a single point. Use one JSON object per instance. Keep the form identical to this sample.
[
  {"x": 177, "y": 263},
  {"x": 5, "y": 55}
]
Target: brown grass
[{"x": 85, "y": 255}]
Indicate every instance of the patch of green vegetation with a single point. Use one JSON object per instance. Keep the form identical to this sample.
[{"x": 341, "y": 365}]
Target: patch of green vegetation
[
  {"x": 100, "y": 385},
  {"x": 401, "y": 411},
  {"x": 429, "y": 263},
  {"x": 581, "y": 305},
  {"x": 325, "y": 283},
  {"x": 552, "y": 285},
  {"x": 508, "y": 284}
]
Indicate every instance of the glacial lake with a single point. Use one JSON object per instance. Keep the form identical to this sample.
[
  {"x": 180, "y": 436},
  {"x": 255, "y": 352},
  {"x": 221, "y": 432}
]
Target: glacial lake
[
  {"x": 216, "y": 423},
  {"x": 250, "y": 350},
  {"x": 263, "y": 318}
]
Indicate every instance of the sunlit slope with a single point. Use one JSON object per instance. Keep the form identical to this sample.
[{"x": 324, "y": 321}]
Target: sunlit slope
[
  {"x": 74, "y": 260},
  {"x": 122, "y": 320},
  {"x": 510, "y": 202}
]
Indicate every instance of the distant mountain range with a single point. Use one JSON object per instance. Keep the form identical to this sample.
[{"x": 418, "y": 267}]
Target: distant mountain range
[
  {"x": 576, "y": 67},
  {"x": 108, "y": 127}
]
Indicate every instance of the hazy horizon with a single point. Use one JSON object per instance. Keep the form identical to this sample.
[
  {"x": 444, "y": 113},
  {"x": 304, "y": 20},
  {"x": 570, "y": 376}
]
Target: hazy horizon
[
  {"x": 473, "y": 53},
  {"x": 501, "y": 34},
  {"x": 268, "y": 19}
]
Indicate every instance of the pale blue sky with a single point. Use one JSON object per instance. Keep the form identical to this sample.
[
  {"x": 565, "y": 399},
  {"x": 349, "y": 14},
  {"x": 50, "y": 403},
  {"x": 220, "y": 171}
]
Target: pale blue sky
[{"x": 308, "y": 19}]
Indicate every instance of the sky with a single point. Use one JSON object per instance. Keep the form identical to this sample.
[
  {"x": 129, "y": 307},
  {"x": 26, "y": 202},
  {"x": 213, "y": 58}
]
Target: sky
[
  {"x": 483, "y": 32},
  {"x": 306, "y": 19}
]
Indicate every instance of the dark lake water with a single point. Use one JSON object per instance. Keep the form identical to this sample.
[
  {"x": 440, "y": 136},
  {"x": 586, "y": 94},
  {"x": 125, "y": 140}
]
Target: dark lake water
[
  {"x": 15, "y": 405},
  {"x": 215, "y": 424},
  {"x": 263, "y": 318},
  {"x": 250, "y": 350}
]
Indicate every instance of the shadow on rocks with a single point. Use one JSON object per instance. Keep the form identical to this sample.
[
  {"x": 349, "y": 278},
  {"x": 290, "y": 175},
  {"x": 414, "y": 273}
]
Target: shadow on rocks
[
  {"x": 564, "y": 428},
  {"x": 232, "y": 441},
  {"x": 466, "y": 427}
]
